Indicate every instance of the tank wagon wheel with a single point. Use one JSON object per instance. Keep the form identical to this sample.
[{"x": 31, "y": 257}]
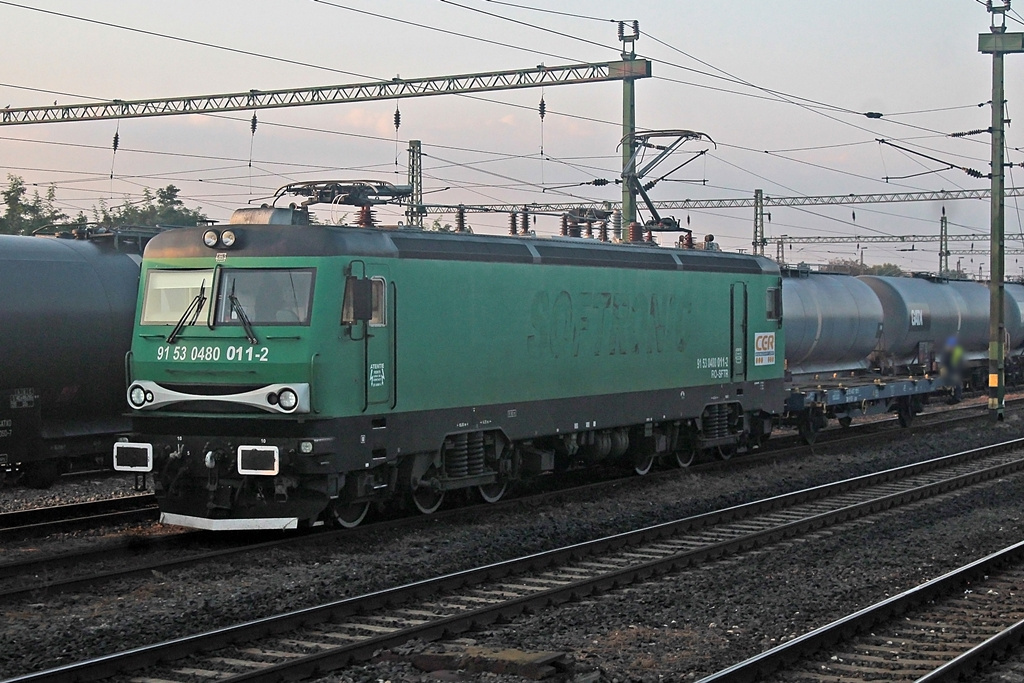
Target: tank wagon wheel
[
  {"x": 905, "y": 411},
  {"x": 348, "y": 515},
  {"x": 42, "y": 475},
  {"x": 808, "y": 428},
  {"x": 492, "y": 493},
  {"x": 725, "y": 452}
]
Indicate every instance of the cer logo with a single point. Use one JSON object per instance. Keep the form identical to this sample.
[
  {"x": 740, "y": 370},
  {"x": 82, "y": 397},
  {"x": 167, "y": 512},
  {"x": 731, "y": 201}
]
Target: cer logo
[{"x": 764, "y": 342}]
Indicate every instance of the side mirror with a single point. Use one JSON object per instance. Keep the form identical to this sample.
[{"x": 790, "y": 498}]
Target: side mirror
[{"x": 362, "y": 298}]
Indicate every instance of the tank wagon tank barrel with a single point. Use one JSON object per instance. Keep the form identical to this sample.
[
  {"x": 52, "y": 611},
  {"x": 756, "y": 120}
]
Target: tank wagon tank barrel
[
  {"x": 833, "y": 322},
  {"x": 67, "y": 310}
]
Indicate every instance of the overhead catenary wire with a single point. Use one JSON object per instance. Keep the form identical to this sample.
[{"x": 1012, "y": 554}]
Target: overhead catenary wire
[
  {"x": 263, "y": 55},
  {"x": 542, "y": 182},
  {"x": 551, "y": 11}
]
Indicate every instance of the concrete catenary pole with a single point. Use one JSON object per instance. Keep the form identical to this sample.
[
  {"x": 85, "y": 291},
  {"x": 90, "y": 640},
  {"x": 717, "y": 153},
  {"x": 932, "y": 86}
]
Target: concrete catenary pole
[
  {"x": 628, "y": 39},
  {"x": 997, "y": 43}
]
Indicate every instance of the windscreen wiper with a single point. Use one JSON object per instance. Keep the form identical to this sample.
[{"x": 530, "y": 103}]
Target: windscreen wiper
[
  {"x": 242, "y": 317},
  {"x": 192, "y": 310}
]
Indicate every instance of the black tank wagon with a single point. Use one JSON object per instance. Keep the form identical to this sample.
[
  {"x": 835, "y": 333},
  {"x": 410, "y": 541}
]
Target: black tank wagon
[{"x": 67, "y": 301}]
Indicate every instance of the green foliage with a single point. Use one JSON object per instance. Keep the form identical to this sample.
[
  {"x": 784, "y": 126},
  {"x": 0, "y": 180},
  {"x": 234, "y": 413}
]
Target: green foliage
[
  {"x": 854, "y": 267},
  {"x": 24, "y": 214},
  {"x": 163, "y": 209}
]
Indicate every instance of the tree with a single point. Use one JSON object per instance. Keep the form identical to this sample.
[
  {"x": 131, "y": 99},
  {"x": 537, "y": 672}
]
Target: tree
[
  {"x": 23, "y": 215},
  {"x": 162, "y": 209},
  {"x": 854, "y": 267}
]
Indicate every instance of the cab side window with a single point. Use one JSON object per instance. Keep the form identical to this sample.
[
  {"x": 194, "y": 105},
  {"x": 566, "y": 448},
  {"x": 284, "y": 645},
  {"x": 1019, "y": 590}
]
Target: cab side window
[
  {"x": 378, "y": 305},
  {"x": 364, "y": 300},
  {"x": 773, "y": 303}
]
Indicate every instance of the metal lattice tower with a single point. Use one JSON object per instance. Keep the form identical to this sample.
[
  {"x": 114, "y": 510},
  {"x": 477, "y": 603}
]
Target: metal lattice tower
[
  {"x": 759, "y": 240},
  {"x": 943, "y": 243},
  {"x": 414, "y": 211}
]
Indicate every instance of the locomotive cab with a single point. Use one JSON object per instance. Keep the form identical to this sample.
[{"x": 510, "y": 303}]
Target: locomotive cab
[{"x": 224, "y": 340}]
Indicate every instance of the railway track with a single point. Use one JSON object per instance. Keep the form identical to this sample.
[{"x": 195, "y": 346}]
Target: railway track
[
  {"x": 56, "y": 573},
  {"x": 62, "y": 518},
  {"x": 314, "y": 640},
  {"x": 942, "y": 630}
]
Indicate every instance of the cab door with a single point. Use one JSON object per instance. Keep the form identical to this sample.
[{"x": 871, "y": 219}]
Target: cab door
[
  {"x": 738, "y": 331},
  {"x": 369, "y": 314},
  {"x": 379, "y": 371}
]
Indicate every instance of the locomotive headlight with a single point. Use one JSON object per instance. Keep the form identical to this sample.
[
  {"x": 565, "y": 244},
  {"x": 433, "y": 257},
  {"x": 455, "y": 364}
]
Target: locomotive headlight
[
  {"x": 227, "y": 238},
  {"x": 210, "y": 238},
  {"x": 287, "y": 399},
  {"x": 137, "y": 396},
  {"x": 306, "y": 447}
]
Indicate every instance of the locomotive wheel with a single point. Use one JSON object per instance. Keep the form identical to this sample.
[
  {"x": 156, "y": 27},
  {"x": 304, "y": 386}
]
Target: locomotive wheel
[
  {"x": 348, "y": 515},
  {"x": 725, "y": 452},
  {"x": 686, "y": 457},
  {"x": 492, "y": 493},
  {"x": 427, "y": 500},
  {"x": 643, "y": 462}
]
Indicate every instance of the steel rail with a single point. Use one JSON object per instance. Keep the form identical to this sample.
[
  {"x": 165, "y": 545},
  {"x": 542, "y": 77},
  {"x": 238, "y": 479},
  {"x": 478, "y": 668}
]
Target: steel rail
[
  {"x": 770, "y": 661},
  {"x": 472, "y": 579},
  {"x": 957, "y": 668},
  {"x": 13, "y": 590},
  {"x": 52, "y": 519}
]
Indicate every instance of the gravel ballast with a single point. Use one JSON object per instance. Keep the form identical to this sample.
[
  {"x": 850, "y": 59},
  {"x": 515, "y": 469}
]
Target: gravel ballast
[
  {"x": 685, "y": 624},
  {"x": 67, "y": 490}
]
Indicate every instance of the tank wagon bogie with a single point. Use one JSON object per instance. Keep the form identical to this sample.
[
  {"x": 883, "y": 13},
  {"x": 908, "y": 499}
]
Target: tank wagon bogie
[{"x": 421, "y": 363}]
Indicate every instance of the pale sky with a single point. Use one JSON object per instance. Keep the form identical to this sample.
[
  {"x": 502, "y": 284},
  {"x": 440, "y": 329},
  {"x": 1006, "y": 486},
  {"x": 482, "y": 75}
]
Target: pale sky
[{"x": 887, "y": 56}]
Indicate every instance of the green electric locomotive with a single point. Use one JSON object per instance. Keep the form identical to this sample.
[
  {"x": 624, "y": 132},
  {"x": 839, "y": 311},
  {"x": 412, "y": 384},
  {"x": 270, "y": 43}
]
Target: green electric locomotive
[{"x": 284, "y": 373}]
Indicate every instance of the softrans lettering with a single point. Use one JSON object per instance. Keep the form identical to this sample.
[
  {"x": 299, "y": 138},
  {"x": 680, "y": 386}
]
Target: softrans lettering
[
  {"x": 764, "y": 348},
  {"x": 568, "y": 325}
]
